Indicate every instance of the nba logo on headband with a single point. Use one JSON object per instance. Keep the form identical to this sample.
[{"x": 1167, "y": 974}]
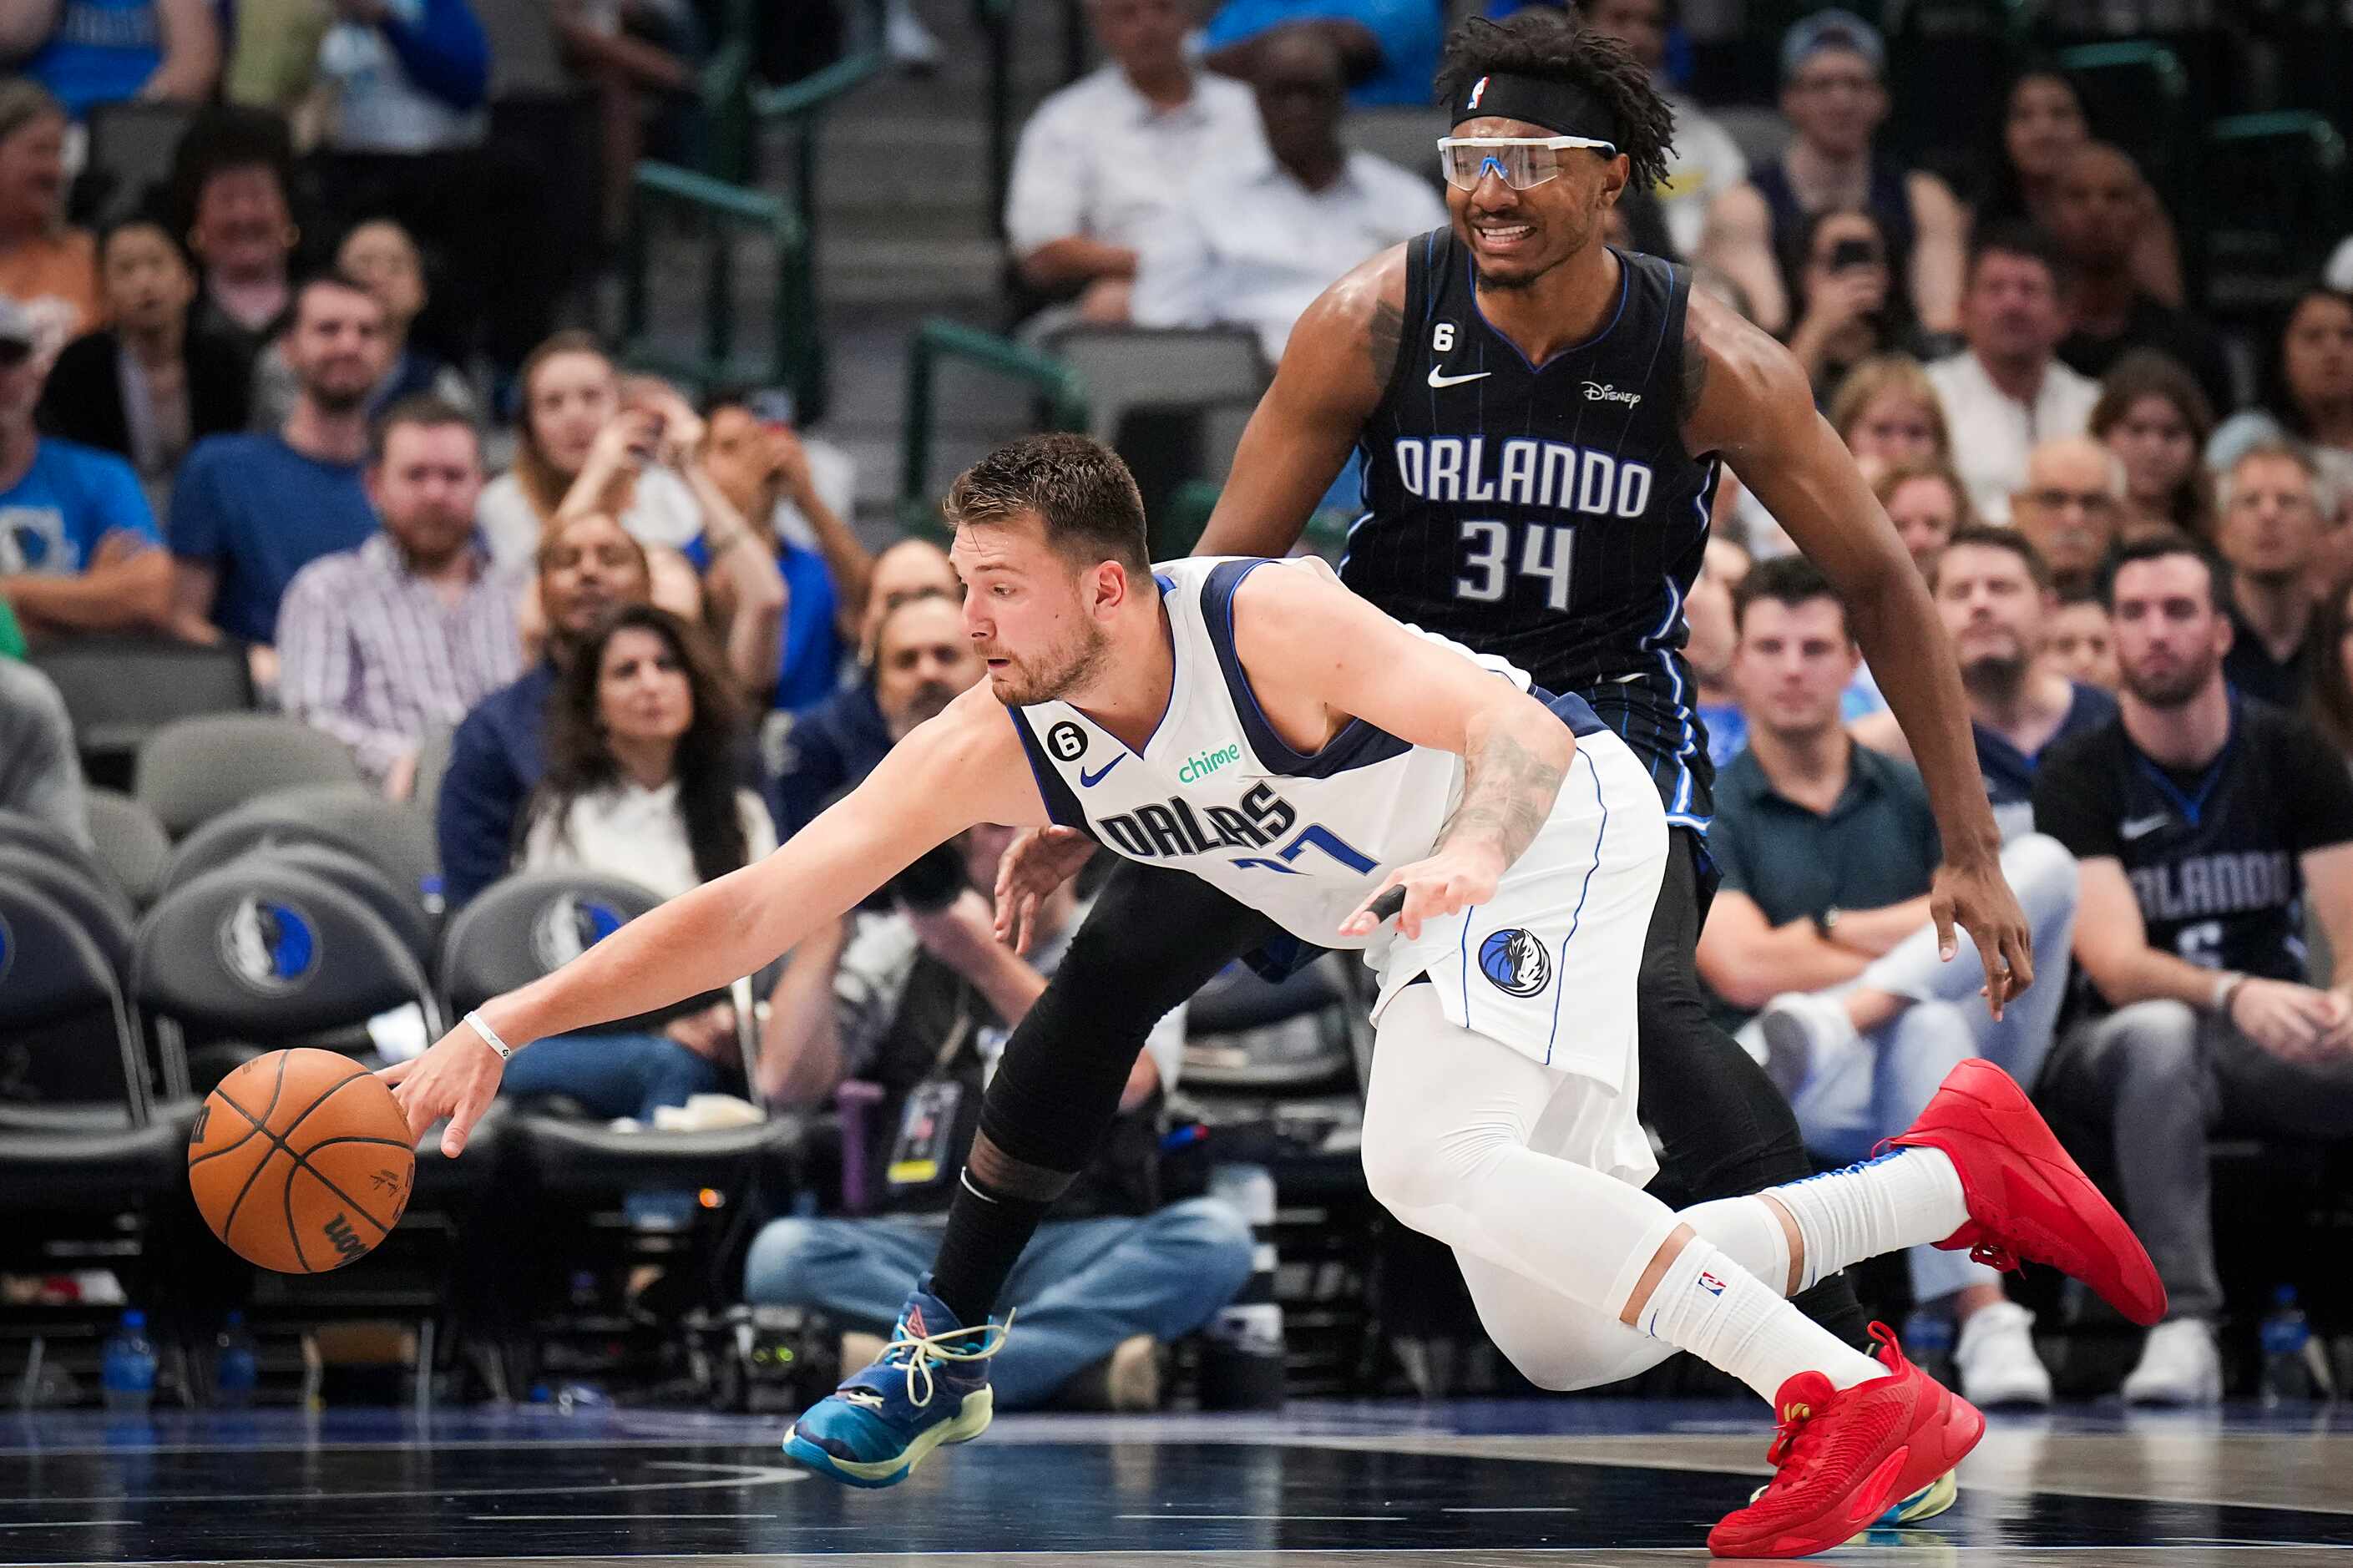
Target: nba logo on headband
[{"x": 1478, "y": 91}]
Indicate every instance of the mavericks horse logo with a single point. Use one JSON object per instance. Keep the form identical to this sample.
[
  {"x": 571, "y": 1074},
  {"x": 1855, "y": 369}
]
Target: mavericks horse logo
[
  {"x": 271, "y": 947},
  {"x": 1514, "y": 962}
]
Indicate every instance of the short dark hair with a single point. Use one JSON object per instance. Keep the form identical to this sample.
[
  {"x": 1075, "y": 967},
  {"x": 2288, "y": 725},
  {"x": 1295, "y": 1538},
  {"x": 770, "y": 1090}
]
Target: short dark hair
[
  {"x": 1078, "y": 487},
  {"x": 2016, "y": 237},
  {"x": 1992, "y": 538},
  {"x": 142, "y": 217},
  {"x": 1790, "y": 580},
  {"x": 1546, "y": 43},
  {"x": 2081, "y": 594},
  {"x": 424, "y": 411},
  {"x": 327, "y": 277},
  {"x": 2158, "y": 546}
]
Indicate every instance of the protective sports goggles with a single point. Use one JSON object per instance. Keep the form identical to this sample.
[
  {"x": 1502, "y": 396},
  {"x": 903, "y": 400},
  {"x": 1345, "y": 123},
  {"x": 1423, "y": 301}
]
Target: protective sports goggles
[{"x": 1520, "y": 162}]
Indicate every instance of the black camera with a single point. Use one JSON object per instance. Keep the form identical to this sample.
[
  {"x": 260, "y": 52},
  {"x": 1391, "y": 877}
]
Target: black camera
[{"x": 931, "y": 883}]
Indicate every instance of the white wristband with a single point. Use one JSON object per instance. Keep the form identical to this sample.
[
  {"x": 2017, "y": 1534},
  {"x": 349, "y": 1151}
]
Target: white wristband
[
  {"x": 2226, "y": 987},
  {"x": 489, "y": 1035}
]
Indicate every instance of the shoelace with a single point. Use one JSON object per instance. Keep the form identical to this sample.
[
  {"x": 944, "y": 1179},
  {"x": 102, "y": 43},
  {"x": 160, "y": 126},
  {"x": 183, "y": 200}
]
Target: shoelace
[
  {"x": 1791, "y": 1453},
  {"x": 917, "y": 1352}
]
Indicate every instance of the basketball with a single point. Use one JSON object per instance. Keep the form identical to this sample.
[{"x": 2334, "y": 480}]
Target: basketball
[{"x": 301, "y": 1161}]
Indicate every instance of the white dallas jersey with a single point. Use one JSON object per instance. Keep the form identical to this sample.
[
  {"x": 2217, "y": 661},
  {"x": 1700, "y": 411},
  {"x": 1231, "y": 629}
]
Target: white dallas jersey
[{"x": 1216, "y": 792}]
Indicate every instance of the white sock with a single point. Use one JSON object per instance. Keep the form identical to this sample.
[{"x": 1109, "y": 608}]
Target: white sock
[
  {"x": 1907, "y": 1197},
  {"x": 1750, "y": 1234},
  {"x": 1707, "y": 1304}
]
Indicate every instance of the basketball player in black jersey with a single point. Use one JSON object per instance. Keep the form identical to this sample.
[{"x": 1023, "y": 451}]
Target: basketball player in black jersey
[{"x": 1541, "y": 417}]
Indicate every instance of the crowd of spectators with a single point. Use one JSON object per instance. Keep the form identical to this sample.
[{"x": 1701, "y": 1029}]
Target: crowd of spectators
[{"x": 264, "y": 404}]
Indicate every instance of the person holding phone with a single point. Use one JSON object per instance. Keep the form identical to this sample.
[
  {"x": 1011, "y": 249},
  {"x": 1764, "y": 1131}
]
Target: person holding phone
[{"x": 1848, "y": 310}]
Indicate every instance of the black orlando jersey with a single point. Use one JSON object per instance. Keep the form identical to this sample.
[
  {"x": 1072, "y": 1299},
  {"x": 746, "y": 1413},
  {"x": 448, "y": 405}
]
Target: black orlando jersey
[{"x": 1548, "y": 514}]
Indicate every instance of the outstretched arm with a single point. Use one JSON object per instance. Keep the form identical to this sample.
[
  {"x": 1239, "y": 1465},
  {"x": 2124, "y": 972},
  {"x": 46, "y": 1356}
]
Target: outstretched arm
[
  {"x": 964, "y": 768},
  {"x": 1318, "y": 656},
  {"x": 1745, "y": 398},
  {"x": 1334, "y": 369}
]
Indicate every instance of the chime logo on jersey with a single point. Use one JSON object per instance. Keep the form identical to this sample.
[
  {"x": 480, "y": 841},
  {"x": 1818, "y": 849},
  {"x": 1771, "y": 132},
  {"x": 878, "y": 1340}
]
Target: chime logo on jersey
[
  {"x": 1514, "y": 962},
  {"x": 1524, "y": 471}
]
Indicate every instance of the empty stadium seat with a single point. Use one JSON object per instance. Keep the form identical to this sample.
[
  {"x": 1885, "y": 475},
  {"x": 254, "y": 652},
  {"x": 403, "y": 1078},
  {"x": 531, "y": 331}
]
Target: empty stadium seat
[
  {"x": 193, "y": 770},
  {"x": 120, "y": 689},
  {"x": 21, "y": 832},
  {"x": 349, "y": 817},
  {"x": 62, "y": 947},
  {"x": 130, "y": 842}
]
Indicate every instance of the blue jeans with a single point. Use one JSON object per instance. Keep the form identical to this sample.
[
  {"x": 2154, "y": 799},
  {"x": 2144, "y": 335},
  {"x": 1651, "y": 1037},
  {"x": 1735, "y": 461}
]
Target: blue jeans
[
  {"x": 1081, "y": 1288},
  {"x": 612, "y": 1075}
]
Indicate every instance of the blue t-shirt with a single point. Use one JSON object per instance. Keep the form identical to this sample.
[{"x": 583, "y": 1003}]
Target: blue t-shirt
[
  {"x": 2008, "y": 772},
  {"x": 102, "y": 52},
  {"x": 72, "y": 497},
  {"x": 1411, "y": 33},
  {"x": 810, "y": 666},
  {"x": 257, "y": 511}
]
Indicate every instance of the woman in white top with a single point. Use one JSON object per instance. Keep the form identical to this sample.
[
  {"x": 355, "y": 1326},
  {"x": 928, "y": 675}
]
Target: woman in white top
[
  {"x": 643, "y": 763},
  {"x": 587, "y": 441}
]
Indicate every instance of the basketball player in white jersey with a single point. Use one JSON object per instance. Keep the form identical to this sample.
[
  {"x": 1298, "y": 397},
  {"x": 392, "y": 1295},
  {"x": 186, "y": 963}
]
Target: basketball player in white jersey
[{"x": 1256, "y": 725}]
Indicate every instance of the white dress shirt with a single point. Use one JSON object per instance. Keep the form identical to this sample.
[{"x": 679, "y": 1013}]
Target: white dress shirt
[
  {"x": 1100, "y": 159},
  {"x": 636, "y": 834},
  {"x": 1250, "y": 245},
  {"x": 1994, "y": 433}
]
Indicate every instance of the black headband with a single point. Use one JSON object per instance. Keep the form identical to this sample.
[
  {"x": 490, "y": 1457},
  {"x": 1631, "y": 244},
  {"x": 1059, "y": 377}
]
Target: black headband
[{"x": 1561, "y": 108}]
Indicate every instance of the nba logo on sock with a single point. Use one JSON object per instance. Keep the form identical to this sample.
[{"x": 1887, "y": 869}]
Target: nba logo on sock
[
  {"x": 1478, "y": 91},
  {"x": 1710, "y": 1283}
]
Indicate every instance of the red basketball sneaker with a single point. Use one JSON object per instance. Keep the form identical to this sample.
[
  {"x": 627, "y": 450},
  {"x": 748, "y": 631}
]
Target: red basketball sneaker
[
  {"x": 2026, "y": 1197},
  {"x": 1841, "y": 1457}
]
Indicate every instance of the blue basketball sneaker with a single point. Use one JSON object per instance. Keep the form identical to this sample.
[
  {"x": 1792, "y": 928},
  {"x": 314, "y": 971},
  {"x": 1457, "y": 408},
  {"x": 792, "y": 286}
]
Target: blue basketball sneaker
[{"x": 929, "y": 1387}]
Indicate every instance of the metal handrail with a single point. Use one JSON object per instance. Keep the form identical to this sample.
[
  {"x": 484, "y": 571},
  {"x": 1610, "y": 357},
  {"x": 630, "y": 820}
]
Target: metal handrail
[{"x": 938, "y": 339}]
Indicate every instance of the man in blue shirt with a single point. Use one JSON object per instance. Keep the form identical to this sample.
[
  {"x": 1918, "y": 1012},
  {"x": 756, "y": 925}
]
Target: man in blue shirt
[
  {"x": 79, "y": 551},
  {"x": 249, "y": 511}
]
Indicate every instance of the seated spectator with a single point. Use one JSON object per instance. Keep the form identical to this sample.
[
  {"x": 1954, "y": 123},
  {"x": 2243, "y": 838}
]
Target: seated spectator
[
  {"x": 907, "y": 570},
  {"x": 923, "y": 659},
  {"x": 2006, "y": 390},
  {"x": 2328, "y": 696},
  {"x": 769, "y": 473},
  {"x": 1835, "y": 98},
  {"x": 2103, "y": 204},
  {"x": 642, "y": 762},
  {"x": 2270, "y": 536},
  {"x": 233, "y": 173},
  {"x": 2153, "y": 417},
  {"x": 381, "y": 645},
  {"x": 79, "y": 550},
  {"x": 1993, "y": 593},
  {"x": 24, "y": 28},
  {"x": 408, "y": 77},
  {"x": 1888, "y": 413},
  {"x": 1827, "y": 850},
  {"x": 2071, "y": 508},
  {"x": 921, "y": 1003},
  {"x": 587, "y": 568},
  {"x": 1391, "y": 49},
  {"x": 1844, "y": 304},
  {"x": 2042, "y": 127},
  {"x": 251, "y": 510},
  {"x": 1927, "y": 503},
  {"x": 1093, "y": 172},
  {"x": 146, "y": 387},
  {"x": 47, "y": 266},
  {"x": 1259, "y": 234},
  {"x": 2083, "y": 648},
  {"x": 1708, "y": 611},
  {"x": 2206, "y": 826},
  {"x": 1705, "y": 161},
  {"x": 112, "y": 51},
  {"x": 40, "y": 771},
  {"x": 2307, "y": 395},
  {"x": 380, "y": 256}
]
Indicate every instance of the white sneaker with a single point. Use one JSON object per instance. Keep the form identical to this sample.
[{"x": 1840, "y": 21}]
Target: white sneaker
[
  {"x": 1996, "y": 1359},
  {"x": 1801, "y": 1030},
  {"x": 2179, "y": 1366}
]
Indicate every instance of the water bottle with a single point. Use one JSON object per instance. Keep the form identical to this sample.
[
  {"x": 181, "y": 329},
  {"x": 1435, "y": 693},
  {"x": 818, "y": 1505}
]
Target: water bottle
[
  {"x": 1928, "y": 1343},
  {"x": 127, "y": 1365},
  {"x": 2286, "y": 1338},
  {"x": 236, "y": 1366}
]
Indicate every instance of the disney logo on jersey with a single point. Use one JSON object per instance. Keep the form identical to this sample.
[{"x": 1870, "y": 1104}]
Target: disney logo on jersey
[
  {"x": 1514, "y": 961},
  {"x": 1600, "y": 392}
]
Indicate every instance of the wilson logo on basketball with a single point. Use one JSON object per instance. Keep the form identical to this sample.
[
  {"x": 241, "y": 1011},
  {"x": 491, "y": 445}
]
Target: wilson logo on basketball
[{"x": 344, "y": 1238}]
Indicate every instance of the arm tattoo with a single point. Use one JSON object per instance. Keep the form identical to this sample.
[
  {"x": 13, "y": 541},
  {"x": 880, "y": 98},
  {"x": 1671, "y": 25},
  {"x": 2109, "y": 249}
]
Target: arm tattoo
[
  {"x": 1507, "y": 794},
  {"x": 1383, "y": 338}
]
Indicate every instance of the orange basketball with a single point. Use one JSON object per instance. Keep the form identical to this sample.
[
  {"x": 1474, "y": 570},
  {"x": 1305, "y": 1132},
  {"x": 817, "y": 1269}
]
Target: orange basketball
[{"x": 302, "y": 1161}]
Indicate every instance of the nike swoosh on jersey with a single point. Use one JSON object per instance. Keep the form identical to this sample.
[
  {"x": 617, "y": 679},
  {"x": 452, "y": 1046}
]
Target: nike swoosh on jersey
[
  {"x": 1438, "y": 378},
  {"x": 1093, "y": 779},
  {"x": 2142, "y": 826}
]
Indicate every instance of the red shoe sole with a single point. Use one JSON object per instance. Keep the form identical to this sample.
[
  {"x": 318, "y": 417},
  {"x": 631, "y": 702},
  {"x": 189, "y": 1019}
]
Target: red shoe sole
[
  {"x": 1937, "y": 1448},
  {"x": 1979, "y": 1100}
]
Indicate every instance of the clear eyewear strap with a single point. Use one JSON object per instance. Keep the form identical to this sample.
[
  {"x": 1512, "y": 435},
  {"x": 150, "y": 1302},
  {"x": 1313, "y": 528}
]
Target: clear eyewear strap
[{"x": 1515, "y": 159}]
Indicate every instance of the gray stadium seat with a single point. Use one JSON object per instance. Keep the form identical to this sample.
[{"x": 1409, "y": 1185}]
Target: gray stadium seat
[
  {"x": 130, "y": 842},
  {"x": 1405, "y": 137},
  {"x": 196, "y": 769},
  {"x": 22, "y": 832},
  {"x": 120, "y": 689},
  {"x": 62, "y": 946},
  {"x": 346, "y": 816}
]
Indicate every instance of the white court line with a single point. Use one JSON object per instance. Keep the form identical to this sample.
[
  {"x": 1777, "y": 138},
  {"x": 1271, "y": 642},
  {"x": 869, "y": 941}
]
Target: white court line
[
  {"x": 567, "y": 1518},
  {"x": 1281, "y": 1518},
  {"x": 65, "y": 1523},
  {"x": 1554, "y": 1508}
]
